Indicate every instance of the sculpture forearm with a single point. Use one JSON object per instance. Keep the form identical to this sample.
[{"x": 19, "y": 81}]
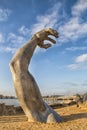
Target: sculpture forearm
[{"x": 25, "y": 53}]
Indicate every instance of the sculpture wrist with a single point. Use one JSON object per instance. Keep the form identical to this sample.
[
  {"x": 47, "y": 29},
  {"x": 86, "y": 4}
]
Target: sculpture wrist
[{"x": 38, "y": 39}]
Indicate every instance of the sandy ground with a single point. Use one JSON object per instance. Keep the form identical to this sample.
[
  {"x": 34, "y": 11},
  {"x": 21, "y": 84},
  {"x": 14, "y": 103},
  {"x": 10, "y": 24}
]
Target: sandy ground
[{"x": 75, "y": 118}]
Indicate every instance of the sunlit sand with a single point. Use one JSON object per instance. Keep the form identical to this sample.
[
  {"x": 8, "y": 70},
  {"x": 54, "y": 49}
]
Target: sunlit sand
[{"x": 75, "y": 118}]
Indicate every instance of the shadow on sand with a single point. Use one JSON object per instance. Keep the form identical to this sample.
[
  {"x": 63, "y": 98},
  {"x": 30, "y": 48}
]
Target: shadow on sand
[{"x": 74, "y": 116}]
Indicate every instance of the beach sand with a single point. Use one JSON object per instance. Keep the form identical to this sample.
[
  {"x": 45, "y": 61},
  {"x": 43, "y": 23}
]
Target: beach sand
[{"x": 75, "y": 118}]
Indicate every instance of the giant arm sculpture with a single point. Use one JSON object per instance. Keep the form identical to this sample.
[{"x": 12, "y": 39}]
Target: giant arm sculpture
[{"x": 25, "y": 85}]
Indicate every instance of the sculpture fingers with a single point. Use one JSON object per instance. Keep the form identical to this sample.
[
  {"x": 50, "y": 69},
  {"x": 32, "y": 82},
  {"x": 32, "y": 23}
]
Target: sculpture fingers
[
  {"x": 44, "y": 45},
  {"x": 53, "y": 32},
  {"x": 51, "y": 40},
  {"x": 43, "y": 35}
]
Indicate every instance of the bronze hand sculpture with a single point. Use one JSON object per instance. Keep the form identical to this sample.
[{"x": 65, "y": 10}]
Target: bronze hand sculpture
[{"x": 25, "y": 85}]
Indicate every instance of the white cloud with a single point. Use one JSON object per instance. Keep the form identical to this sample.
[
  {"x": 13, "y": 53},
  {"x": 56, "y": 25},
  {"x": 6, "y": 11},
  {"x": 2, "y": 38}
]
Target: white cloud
[
  {"x": 84, "y": 83},
  {"x": 4, "y": 14},
  {"x": 8, "y": 49},
  {"x": 76, "y": 48},
  {"x": 74, "y": 66},
  {"x": 14, "y": 43},
  {"x": 1, "y": 38},
  {"x": 78, "y": 66},
  {"x": 48, "y": 20},
  {"x": 81, "y": 58},
  {"x": 16, "y": 39},
  {"x": 69, "y": 31},
  {"x": 23, "y": 30},
  {"x": 74, "y": 87},
  {"x": 80, "y": 62},
  {"x": 74, "y": 29},
  {"x": 79, "y": 7}
]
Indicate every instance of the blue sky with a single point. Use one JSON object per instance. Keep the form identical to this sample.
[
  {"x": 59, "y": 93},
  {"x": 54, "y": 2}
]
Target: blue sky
[{"x": 62, "y": 69}]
